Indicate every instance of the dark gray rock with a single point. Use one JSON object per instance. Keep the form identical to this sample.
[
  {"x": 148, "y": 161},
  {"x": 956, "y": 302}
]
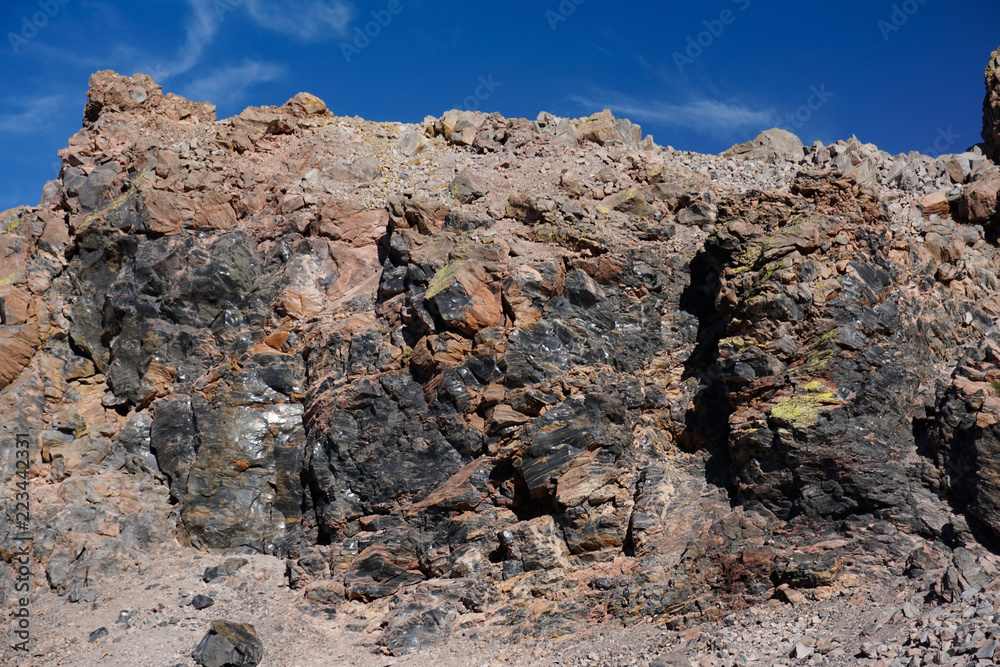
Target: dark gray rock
[
  {"x": 229, "y": 644},
  {"x": 202, "y": 602},
  {"x": 94, "y": 191},
  {"x": 230, "y": 567},
  {"x": 696, "y": 215},
  {"x": 466, "y": 187}
]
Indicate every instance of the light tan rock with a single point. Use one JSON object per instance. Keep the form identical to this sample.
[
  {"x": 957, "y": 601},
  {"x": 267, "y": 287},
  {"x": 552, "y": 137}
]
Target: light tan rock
[
  {"x": 935, "y": 203},
  {"x": 110, "y": 92},
  {"x": 16, "y": 304},
  {"x": 308, "y": 103},
  {"x": 301, "y": 305}
]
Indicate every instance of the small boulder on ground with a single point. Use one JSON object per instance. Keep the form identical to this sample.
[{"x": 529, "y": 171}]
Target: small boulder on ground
[
  {"x": 466, "y": 187},
  {"x": 229, "y": 644}
]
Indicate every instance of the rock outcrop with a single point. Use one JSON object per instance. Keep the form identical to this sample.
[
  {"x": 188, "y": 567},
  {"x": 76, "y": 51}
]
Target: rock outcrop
[
  {"x": 528, "y": 374},
  {"x": 991, "y": 108}
]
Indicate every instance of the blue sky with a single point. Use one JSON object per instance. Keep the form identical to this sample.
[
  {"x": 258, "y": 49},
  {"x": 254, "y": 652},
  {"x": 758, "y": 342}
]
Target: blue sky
[{"x": 905, "y": 75}]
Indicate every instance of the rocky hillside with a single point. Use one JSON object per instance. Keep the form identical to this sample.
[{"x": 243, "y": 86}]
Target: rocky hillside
[{"x": 488, "y": 374}]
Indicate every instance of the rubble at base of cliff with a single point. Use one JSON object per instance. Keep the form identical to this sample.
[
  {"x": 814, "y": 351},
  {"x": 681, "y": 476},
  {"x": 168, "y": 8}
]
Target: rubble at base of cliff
[{"x": 483, "y": 390}]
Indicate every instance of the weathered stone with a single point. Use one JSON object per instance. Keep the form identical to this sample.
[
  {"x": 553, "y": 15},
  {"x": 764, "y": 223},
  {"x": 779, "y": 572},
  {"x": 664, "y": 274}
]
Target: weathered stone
[
  {"x": 530, "y": 208},
  {"x": 565, "y": 432},
  {"x": 991, "y": 108},
  {"x": 424, "y": 216},
  {"x": 981, "y": 200},
  {"x": 111, "y": 92},
  {"x": 697, "y": 215},
  {"x": 95, "y": 189},
  {"x": 229, "y": 644},
  {"x": 466, "y": 187},
  {"x": 772, "y": 143},
  {"x": 411, "y": 144},
  {"x": 168, "y": 212},
  {"x": 528, "y": 416},
  {"x": 460, "y": 295},
  {"x": 307, "y": 103},
  {"x": 460, "y": 127},
  {"x": 630, "y": 200},
  {"x": 536, "y": 544},
  {"x": 935, "y": 204},
  {"x": 17, "y": 346}
]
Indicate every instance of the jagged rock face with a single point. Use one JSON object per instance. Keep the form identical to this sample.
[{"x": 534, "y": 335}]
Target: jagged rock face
[
  {"x": 991, "y": 108},
  {"x": 491, "y": 370}
]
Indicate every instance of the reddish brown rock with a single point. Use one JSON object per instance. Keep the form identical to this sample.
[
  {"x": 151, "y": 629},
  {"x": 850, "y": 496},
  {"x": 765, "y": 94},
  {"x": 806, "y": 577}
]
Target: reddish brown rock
[
  {"x": 168, "y": 212},
  {"x": 215, "y": 210},
  {"x": 354, "y": 226},
  {"x": 17, "y": 347},
  {"x": 424, "y": 216},
  {"x": 981, "y": 200},
  {"x": 935, "y": 204},
  {"x": 461, "y": 296}
]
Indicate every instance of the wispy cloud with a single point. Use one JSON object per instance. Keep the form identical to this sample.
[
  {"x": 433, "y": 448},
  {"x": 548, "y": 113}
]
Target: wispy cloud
[
  {"x": 33, "y": 115},
  {"x": 702, "y": 115},
  {"x": 304, "y": 19},
  {"x": 227, "y": 85}
]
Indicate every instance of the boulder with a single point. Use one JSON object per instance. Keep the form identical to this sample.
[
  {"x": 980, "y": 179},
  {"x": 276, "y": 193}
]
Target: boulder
[
  {"x": 460, "y": 295},
  {"x": 466, "y": 187},
  {"x": 980, "y": 201},
  {"x": 773, "y": 143},
  {"x": 307, "y": 103},
  {"x": 229, "y": 644}
]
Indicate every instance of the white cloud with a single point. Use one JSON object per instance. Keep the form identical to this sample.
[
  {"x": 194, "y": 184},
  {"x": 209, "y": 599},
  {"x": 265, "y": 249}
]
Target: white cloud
[
  {"x": 200, "y": 30},
  {"x": 227, "y": 85},
  {"x": 303, "y": 19},
  {"x": 34, "y": 115},
  {"x": 703, "y": 115}
]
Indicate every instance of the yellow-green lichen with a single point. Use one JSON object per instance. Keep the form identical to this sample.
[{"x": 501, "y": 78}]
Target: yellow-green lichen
[
  {"x": 735, "y": 342},
  {"x": 768, "y": 270},
  {"x": 17, "y": 217},
  {"x": 826, "y": 338},
  {"x": 119, "y": 201},
  {"x": 442, "y": 279},
  {"x": 803, "y": 409}
]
